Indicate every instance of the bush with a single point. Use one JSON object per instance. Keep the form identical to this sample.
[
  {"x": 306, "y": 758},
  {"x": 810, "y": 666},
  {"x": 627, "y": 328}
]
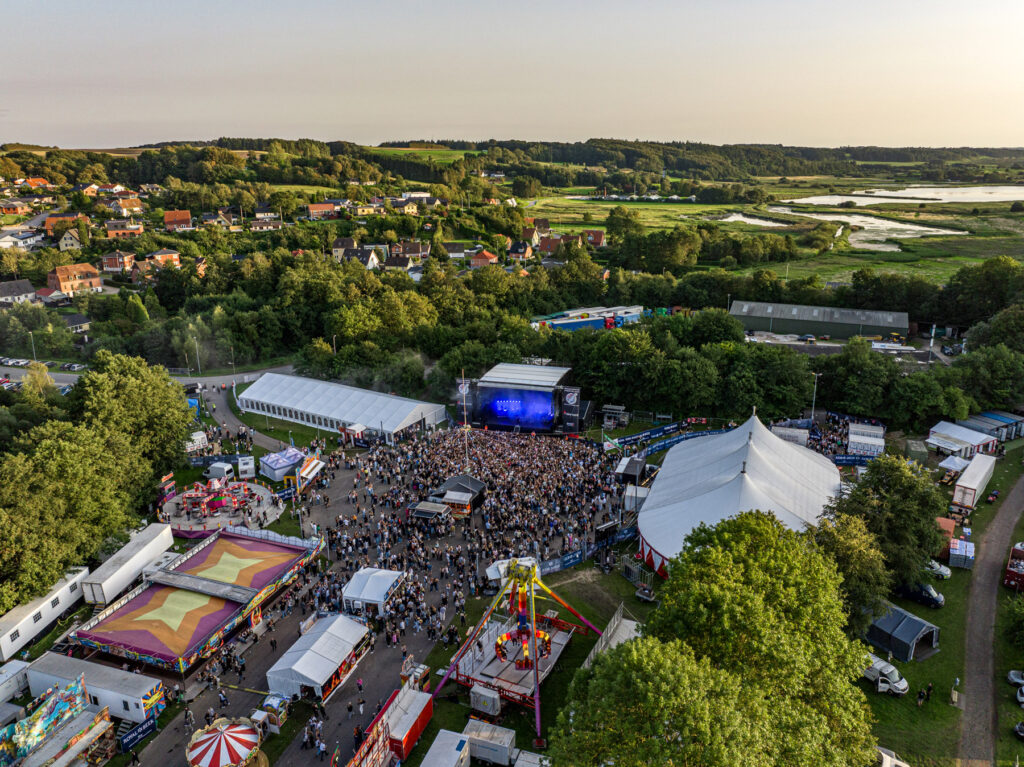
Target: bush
[{"x": 1015, "y": 621}]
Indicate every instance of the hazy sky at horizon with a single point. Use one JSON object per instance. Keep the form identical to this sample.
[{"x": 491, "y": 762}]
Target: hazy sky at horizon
[{"x": 804, "y": 72}]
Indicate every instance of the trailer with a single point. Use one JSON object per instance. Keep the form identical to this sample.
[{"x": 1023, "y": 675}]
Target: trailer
[
  {"x": 971, "y": 485},
  {"x": 115, "y": 575},
  {"x": 1013, "y": 576}
]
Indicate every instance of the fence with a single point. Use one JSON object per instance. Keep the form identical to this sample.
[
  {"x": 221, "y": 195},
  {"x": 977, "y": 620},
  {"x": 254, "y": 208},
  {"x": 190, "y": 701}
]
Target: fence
[
  {"x": 606, "y": 637},
  {"x": 574, "y": 558}
]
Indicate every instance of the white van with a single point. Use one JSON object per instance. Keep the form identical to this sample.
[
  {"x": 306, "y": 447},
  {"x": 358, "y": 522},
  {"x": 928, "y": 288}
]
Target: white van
[
  {"x": 887, "y": 758},
  {"x": 884, "y": 676},
  {"x": 219, "y": 470}
]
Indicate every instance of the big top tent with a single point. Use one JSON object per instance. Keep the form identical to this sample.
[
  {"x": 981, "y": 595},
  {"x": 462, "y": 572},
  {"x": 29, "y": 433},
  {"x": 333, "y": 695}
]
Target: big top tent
[
  {"x": 226, "y": 743},
  {"x": 708, "y": 479}
]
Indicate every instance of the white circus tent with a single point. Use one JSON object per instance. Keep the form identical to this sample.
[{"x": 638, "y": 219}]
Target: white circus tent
[
  {"x": 708, "y": 479},
  {"x": 226, "y": 743}
]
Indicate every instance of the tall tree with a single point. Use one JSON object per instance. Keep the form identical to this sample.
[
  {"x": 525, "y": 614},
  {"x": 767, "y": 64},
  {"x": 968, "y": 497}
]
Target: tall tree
[
  {"x": 855, "y": 551},
  {"x": 762, "y": 602}
]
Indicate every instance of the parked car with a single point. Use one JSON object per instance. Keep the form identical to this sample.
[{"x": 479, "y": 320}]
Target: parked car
[
  {"x": 884, "y": 676},
  {"x": 1016, "y": 678},
  {"x": 807, "y": 338},
  {"x": 66, "y": 366},
  {"x": 50, "y": 363},
  {"x": 938, "y": 570},
  {"x": 922, "y": 593},
  {"x": 76, "y": 367},
  {"x": 1020, "y": 696},
  {"x": 1018, "y": 730}
]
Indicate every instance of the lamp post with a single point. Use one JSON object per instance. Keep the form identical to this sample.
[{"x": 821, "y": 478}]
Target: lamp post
[
  {"x": 32, "y": 338},
  {"x": 334, "y": 342},
  {"x": 814, "y": 397},
  {"x": 199, "y": 367}
]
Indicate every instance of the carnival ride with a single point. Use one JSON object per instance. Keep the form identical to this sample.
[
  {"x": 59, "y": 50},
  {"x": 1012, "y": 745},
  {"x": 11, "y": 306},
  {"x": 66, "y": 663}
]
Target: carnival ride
[
  {"x": 526, "y": 645},
  {"x": 225, "y": 743},
  {"x": 208, "y": 499}
]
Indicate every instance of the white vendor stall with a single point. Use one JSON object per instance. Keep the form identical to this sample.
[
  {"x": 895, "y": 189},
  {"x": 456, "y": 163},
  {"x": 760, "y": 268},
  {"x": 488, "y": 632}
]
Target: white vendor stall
[
  {"x": 321, "y": 659},
  {"x": 276, "y": 466},
  {"x": 370, "y": 590}
]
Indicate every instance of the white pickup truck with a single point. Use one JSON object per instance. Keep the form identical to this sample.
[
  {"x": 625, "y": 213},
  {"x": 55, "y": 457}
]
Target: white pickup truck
[{"x": 884, "y": 676}]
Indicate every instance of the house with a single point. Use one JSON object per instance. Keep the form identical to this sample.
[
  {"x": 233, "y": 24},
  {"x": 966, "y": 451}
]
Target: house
[
  {"x": 397, "y": 263},
  {"x": 263, "y": 210},
  {"x": 118, "y": 262},
  {"x": 320, "y": 210},
  {"x": 215, "y": 219},
  {"x": 74, "y": 279},
  {"x": 52, "y": 297},
  {"x": 520, "y": 251},
  {"x": 131, "y": 206},
  {"x": 549, "y": 245},
  {"x": 368, "y": 257},
  {"x": 455, "y": 249},
  {"x": 594, "y": 237},
  {"x": 62, "y": 218},
  {"x": 265, "y": 225},
  {"x": 16, "y": 292},
  {"x": 89, "y": 190},
  {"x": 572, "y": 239},
  {"x": 37, "y": 199},
  {"x": 408, "y": 207},
  {"x": 200, "y": 264},
  {"x": 119, "y": 228},
  {"x": 532, "y": 236},
  {"x": 14, "y": 207},
  {"x": 414, "y": 250},
  {"x": 542, "y": 225},
  {"x": 339, "y": 203},
  {"x": 178, "y": 221},
  {"x": 70, "y": 240},
  {"x": 366, "y": 209},
  {"x": 37, "y": 183},
  {"x": 77, "y": 323},
  {"x": 20, "y": 238},
  {"x": 340, "y": 245},
  {"x": 166, "y": 257},
  {"x": 142, "y": 270},
  {"x": 111, "y": 188},
  {"x": 504, "y": 239},
  {"x": 151, "y": 189},
  {"x": 483, "y": 258}
]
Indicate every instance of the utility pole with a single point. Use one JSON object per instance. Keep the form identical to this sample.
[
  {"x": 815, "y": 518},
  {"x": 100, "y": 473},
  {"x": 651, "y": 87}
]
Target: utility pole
[
  {"x": 814, "y": 397},
  {"x": 198, "y": 366},
  {"x": 32, "y": 338}
]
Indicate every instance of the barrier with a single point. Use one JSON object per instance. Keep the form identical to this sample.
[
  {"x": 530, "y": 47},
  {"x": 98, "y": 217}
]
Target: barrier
[
  {"x": 136, "y": 734},
  {"x": 647, "y": 434},
  {"x": 206, "y": 460},
  {"x": 665, "y": 444},
  {"x": 851, "y": 460}
]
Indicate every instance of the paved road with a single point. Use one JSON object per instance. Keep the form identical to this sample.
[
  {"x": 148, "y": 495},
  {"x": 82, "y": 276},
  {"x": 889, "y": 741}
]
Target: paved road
[
  {"x": 979, "y": 722},
  {"x": 15, "y": 374},
  {"x": 224, "y": 415}
]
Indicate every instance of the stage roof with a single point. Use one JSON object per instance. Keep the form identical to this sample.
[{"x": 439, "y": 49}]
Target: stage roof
[{"x": 523, "y": 376}]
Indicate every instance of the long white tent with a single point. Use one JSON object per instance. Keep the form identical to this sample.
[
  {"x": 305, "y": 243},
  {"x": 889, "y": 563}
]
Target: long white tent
[
  {"x": 317, "y": 657},
  {"x": 333, "y": 407},
  {"x": 708, "y": 479}
]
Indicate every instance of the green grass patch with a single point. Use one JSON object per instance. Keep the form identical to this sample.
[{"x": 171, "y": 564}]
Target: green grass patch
[
  {"x": 440, "y": 156},
  {"x": 62, "y": 625},
  {"x": 275, "y": 745},
  {"x": 275, "y": 428}
]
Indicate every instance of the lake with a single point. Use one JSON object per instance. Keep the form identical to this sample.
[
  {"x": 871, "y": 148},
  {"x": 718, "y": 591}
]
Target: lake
[
  {"x": 742, "y": 219},
  {"x": 874, "y": 231},
  {"x": 922, "y": 194}
]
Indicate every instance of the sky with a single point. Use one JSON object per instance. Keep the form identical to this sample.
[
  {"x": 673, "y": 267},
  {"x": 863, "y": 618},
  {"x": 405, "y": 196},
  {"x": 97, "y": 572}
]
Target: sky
[{"x": 802, "y": 72}]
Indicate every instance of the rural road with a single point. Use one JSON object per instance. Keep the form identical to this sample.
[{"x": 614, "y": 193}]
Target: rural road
[
  {"x": 979, "y": 722},
  {"x": 15, "y": 374}
]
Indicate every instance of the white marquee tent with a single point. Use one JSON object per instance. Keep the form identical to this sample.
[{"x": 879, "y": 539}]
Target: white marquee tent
[
  {"x": 334, "y": 407},
  {"x": 371, "y": 586},
  {"x": 708, "y": 479},
  {"x": 317, "y": 656}
]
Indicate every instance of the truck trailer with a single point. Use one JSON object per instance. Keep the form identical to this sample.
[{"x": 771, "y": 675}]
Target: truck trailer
[
  {"x": 115, "y": 575},
  {"x": 972, "y": 483}
]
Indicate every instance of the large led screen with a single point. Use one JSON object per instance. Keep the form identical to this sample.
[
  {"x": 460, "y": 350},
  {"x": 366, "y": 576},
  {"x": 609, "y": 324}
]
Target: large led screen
[{"x": 524, "y": 408}]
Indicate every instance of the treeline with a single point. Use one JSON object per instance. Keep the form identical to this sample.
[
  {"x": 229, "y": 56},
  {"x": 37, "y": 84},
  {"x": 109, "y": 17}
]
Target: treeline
[{"x": 74, "y": 470}]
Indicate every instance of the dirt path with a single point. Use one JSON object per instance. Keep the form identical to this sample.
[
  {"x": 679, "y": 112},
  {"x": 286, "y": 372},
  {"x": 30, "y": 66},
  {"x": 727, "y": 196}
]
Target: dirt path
[{"x": 978, "y": 724}]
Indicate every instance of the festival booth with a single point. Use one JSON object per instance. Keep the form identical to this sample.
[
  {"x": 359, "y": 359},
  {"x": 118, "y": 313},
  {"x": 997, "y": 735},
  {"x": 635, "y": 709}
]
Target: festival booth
[
  {"x": 272, "y": 713},
  {"x": 225, "y": 743},
  {"x": 276, "y": 466},
  {"x": 370, "y": 590},
  {"x": 321, "y": 659},
  {"x": 197, "y": 442},
  {"x": 407, "y": 715},
  {"x": 462, "y": 494},
  {"x": 305, "y": 472}
]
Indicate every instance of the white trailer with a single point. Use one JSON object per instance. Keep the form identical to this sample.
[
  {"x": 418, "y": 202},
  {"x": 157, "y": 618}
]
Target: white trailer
[
  {"x": 115, "y": 575},
  {"x": 449, "y": 749},
  {"x": 490, "y": 743},
  {"x": 129, "y": 696},
  {"x": 13, "y": 680},
  {"x": 21, "y": 626},
  {"x": 971, "y": 485}
]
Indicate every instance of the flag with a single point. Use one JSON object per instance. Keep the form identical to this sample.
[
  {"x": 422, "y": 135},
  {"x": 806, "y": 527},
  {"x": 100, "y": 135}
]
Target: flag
[
  {"x": 336, "y": 757},
  {"x": 609, "y": 443}
]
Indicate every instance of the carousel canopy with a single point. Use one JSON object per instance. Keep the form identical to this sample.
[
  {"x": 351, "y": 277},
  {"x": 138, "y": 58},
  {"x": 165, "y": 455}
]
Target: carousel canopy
[{"x": 224, "y": 744}]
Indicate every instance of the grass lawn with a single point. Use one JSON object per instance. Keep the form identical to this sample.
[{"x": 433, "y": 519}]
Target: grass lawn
[
  {"x": 305, "y": 189},
  {"x": 929, "y": 736},
  {"x": 567, "y": 215},
  {"x": 286, "y": 524},
  {"x": 47, "y": 641},
  {"x": 588, "y": 590},
  {"x": 275, "y": 745},
  {"x": 440, "y": 156}
]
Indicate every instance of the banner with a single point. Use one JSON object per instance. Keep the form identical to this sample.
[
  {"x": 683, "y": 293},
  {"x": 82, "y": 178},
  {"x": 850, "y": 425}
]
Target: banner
[
  {"x": 665, "y": 444},
  {"x": 851, "y": 460},
  {"x": 206, "y": 460},
  {"x": 643, "y": 436},
  {"x": 571, "y": 409},
  {"x": 136, "y": 734}
]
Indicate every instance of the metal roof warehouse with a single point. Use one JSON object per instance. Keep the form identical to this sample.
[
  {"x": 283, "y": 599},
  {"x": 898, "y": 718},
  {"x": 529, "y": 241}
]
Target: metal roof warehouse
[
  {"x": 332, "y": 406},
  {"x": 796, "y": 318}
]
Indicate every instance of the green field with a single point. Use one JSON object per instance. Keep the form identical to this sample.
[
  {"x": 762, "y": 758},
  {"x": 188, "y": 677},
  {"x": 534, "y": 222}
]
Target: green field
[
  {"x": 305, "y": 189},
  {"x": 566, "y": 215},
  {"x": 440, "y": 156},
  {"x": 275, "y": 428}
]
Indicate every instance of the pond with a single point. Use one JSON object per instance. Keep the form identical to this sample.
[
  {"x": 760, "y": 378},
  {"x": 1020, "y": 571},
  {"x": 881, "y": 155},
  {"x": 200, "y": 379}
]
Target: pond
[
  {"x": 874, "y": 232},
  {"x": 921, "y": 194},
  {"x": 744, "y": 219}
]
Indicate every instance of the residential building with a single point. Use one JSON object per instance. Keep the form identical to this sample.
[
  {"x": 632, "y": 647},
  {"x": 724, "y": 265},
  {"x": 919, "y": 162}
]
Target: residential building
[
  {"x": 594, "y": 237},
  {"x": 119, "y": 229},
  {"x": 77, "y": 323},
  {"x": 118, "y": 262},
  {"x": 265, "y": 224},
  {"x": 74, "y": 279},
  {"x": 572, "y": 239},
  {"x": 14, "y": 207},
  {"x": 111, "y": 188},
  {"x": 16, "y": 292},
  {"x": 178, "y": 221},
  {"x": 532, "y": 236},
  {"x": 89, "y": 190},
  {"x": 397, "y": 263},
  {"x": 483, "y": 258},
  {"x": 366, "y": 209},
  {"x": 340, "y": 245},
  {"x": 151, "y": 189},
  {"x": 456, "y": 249},
  {"x": 368, "y": 257},
  {"x": 320, "y": 210},
  {"x": 520, "y": 251},
  {"x": 52, "y": 297},
  {"x": 62, "y": 218},
  {"x": 70, "y": 240},
  {"x": 408, "y": 207},
  {"x": 37, "y": 183},
  {"x": 542, "y": 225},
  {"x": 20, "y": 238},
  {"x": 414, "y": 250},
  {"x": 263, "y": 210},
  {"x": 549, "y": 245},
  {"x": 24, "y": 624},
  {"x": 131, "y": 206},
  {"x": 166, "y": 257}
]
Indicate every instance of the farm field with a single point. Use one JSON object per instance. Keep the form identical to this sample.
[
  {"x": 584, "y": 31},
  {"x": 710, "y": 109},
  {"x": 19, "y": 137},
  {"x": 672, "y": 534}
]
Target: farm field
[
  {"x": 566, "y": 215},
  {"x": 305, "y": 189},
  {"x": 440, "y": 156}
]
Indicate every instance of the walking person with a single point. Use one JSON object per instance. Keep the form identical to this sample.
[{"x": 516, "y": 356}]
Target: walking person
[
  {"x": 361, "y": 704},
  {"x": 350, "y": 709}
]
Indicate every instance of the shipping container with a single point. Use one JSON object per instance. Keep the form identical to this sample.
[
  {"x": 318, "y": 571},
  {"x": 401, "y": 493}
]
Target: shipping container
[
  {"x": 115, "y": 575},
  {"x": 970, "y": 487}
]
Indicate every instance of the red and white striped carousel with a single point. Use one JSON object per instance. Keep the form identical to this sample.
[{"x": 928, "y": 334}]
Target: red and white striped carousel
[{"x": 225, "y": 743}]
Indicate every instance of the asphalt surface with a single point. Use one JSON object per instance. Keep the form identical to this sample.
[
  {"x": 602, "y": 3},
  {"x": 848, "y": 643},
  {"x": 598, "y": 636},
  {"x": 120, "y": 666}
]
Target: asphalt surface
[
  {"x": 60, "y": 377},
  {"x": 979, "y": 723}
]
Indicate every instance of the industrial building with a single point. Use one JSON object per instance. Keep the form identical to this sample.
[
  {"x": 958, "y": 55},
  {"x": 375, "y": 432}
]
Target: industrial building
[{"x": 818, "y": 320}]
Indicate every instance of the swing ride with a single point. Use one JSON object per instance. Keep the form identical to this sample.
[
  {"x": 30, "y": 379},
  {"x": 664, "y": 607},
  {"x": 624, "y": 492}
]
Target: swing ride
[{"x": 526, "y": 646}]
